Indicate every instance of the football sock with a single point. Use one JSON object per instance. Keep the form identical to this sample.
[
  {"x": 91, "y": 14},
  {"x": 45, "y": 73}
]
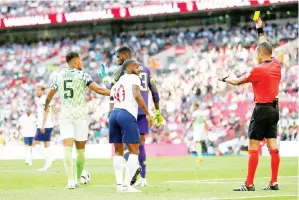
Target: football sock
[
  {"x": 126, "y": 153},
  {"x": 80, "y": 162},
  {"x": 142, "y": 158},
  {"x": 28, "y": 153},
  {"x": 118, "y": 169},
  {"x": 40, "y": 148},
  {"x": 252, "y": 165},
  {"x": 198, "y": 149},
  {"x": 47, "y": 152},
  {"x": 131, "y": 169},
  {"x": 68, "y": 163},
  {"x": 275, "y": 160}
]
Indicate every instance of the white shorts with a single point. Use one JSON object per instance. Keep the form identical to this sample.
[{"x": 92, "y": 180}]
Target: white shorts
[
  {"x": 77, "y": 129},
  {"x": 199, "y": 133}
]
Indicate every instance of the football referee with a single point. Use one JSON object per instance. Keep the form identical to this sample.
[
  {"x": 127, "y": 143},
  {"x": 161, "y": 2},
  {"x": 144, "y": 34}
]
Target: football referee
[{"x": 265, "y": 79}]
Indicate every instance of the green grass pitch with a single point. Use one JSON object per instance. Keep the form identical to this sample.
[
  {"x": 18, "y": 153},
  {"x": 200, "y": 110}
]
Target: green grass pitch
[{"x": 168, "y": 178}]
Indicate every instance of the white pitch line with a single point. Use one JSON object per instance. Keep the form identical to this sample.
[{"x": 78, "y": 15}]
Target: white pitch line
[
  {"x": 225, "y": 182},
  {"x": 248, "y": 197},
  {"x": 225, "y": 179}
]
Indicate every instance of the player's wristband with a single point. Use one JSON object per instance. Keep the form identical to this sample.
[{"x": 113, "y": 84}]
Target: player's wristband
[
  {"x": 260, "y": 32},
  {"x": 157, "y": 112},
  {"x": 223, "y": 80}
]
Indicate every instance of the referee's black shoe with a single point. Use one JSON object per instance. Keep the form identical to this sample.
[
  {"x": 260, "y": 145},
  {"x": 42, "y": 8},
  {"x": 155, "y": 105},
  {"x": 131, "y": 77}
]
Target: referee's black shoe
[
  {"x": 245, "y": 188},
  {"x": 273, "y": 186},
  {"x": 134, "y": 179}
]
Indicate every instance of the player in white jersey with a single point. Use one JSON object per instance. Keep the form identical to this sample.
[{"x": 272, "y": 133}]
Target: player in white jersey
[
  {"x": 71, "y": 84},
  {"x": 27, "y": 127},
  {"x": 123, "y": 128},
  {"x": 44, "y": 130},
  {"x": 199, "y": 130}
]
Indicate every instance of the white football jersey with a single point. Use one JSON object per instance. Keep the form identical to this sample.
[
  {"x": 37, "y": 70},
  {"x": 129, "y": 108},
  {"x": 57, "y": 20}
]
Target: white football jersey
[
  {"x": 40, "y": 113},
  {"x": 28, "y": 125},
  {"x": 122, "y": 93},
  {"x": 199, "y": 117}
]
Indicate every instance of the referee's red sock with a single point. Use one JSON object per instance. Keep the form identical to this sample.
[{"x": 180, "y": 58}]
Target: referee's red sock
[
  {"x": 252, "y": 165},
  {"x": 275, "y": 160}
]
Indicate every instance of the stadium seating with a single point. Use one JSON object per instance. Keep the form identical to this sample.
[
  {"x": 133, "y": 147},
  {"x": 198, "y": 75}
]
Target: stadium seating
[
  {"x": 21, "y": 8},
  {"x": 216, "y": 51}
]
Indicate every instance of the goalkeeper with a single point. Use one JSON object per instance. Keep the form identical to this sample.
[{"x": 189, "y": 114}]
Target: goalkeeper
[{"x": 147, "y": 84}]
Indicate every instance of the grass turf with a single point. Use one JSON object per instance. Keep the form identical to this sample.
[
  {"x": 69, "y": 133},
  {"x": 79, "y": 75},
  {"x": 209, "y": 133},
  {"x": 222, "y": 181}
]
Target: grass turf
[{"x": 168, "y": 178}]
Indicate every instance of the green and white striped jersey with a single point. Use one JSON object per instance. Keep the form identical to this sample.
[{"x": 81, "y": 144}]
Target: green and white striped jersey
[{"x": 70, "y": 85}]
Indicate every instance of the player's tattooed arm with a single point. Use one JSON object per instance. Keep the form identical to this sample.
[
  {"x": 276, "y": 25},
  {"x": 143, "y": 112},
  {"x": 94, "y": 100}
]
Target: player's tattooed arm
[
  {"x": 154, "y": 90},
  {"x": 140, "y": 101},
  {"x": 103, "y": 91}
]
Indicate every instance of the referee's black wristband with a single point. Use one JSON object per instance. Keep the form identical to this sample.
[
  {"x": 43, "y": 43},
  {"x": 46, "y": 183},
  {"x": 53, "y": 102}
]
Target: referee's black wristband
[
  {"x": 223, "y": 80},
  {"x": 260, "y": 32}
]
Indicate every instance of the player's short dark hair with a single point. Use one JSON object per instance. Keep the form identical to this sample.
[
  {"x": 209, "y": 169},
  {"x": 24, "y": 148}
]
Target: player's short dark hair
[
  {"x": 265, "y": 47},
  {"x": 124, "y": 49},
  {"x": 71, "y": 55},
  {"x": 127, "y": 62}
]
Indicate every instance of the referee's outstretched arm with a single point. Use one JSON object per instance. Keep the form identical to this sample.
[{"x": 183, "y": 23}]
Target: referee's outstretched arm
[{"x": 263, "y": 54}]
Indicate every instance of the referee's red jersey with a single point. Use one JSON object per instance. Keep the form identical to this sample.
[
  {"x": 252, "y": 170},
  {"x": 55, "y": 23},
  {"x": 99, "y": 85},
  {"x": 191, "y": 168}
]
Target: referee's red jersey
[{"x": 265, "y": 79}]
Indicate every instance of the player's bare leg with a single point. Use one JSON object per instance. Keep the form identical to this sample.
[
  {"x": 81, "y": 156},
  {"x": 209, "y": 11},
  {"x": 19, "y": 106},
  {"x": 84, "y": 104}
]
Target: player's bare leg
[
  {"x": 68, "y": 162},
  {"x": 275, "y": 161},
  {"x": 80, "y": 160},
  {"x": 118, "y": 165},
  {"x": 252, "y": 165},
  {"x": 142, "y": 158},
  {"x": 132, "y": 165}
]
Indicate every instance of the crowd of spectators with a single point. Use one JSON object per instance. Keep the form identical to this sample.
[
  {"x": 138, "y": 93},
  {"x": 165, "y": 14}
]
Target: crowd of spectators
[
  {"x": 215, "y": 53},
  {"x": 14, "y": 8}
]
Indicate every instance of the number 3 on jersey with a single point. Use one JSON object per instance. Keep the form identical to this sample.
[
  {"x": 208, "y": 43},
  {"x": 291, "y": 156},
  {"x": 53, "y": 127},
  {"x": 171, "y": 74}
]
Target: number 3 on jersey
[
  {"x": 143, "y": 77},
  {"x": 68, "y": 91},
  {"x": 120, "y": 94}
]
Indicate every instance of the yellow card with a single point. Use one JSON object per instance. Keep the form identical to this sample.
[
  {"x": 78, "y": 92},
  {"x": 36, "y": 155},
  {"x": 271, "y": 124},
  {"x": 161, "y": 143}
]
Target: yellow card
[{"x": 256, "y": 15}]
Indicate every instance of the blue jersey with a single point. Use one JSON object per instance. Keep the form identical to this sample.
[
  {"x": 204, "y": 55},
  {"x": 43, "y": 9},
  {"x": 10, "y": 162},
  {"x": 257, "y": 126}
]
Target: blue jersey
[{"x": 147, "y": 84}]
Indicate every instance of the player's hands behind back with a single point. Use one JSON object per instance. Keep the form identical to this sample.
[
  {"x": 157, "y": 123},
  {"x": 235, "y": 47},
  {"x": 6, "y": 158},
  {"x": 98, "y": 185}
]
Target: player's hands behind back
[
  {"x": 103, "y": 74},
  {"x": 158, "y": 119},
  {"x": 149, "y": 120}
]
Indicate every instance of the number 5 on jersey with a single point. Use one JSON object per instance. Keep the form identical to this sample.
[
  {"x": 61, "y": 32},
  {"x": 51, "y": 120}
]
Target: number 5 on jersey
[{"x": 68, "y": 91}]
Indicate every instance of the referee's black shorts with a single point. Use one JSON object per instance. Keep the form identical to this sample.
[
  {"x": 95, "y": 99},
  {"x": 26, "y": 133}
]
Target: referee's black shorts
[{"x": 263, "y": 123}]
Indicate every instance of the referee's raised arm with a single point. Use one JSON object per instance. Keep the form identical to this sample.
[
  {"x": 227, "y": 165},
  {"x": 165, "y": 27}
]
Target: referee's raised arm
[{"x": 265, "y": 78}]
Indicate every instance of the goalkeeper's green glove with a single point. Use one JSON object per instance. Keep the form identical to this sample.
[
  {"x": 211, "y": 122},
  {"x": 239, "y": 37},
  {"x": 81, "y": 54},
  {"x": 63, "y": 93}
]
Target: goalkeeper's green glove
[
  {"x": 158, "y": 119},
  {"x": 103, "y": 74}
]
